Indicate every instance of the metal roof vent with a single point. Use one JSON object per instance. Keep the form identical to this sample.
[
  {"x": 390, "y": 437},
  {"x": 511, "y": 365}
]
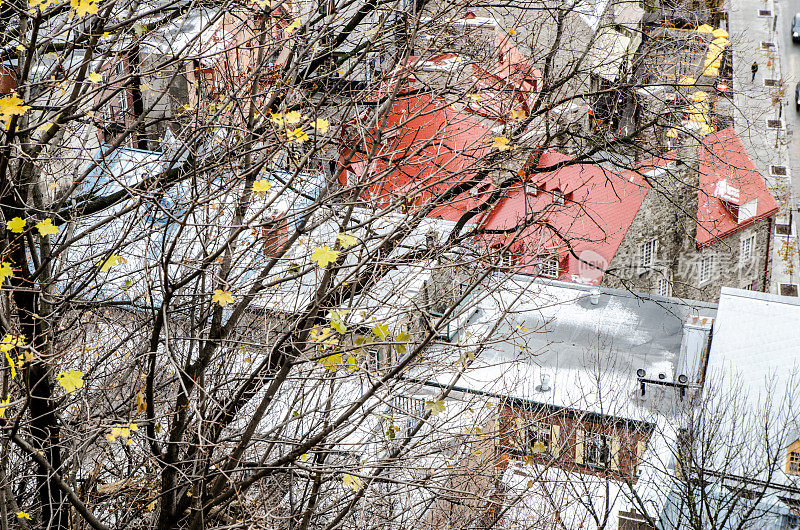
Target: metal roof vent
[
  {"x": 545, "y": 383},
  {"x": 594, "y": 296}
]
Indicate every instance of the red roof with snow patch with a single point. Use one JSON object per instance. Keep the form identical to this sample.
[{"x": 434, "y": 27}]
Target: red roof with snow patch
[
  {"x": 732, "y": 194},
  {"x": 437, "y": 146},
  {"x": 599, "y": 206}
]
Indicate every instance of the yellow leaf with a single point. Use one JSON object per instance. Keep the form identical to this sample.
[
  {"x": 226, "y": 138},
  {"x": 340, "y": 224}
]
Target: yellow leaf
[
  {"x": 539, "y": 447},
  {"x": 381, "y": 331},
  {"x": 45, "y": 126},
  {"x": 9, "y": 342},
  {"x": 70, "y": 380},
  {"x": 141, "y": 404},
  {"x": 293, "y": 117},
  {"x": 277, "y": 119},
  {"x": 512, "y": 31},
  {"x": 111, "y": 261},
  {"x": 23, "y": 515},
  {"x": 346, "y": 239},
  {"x": 501, "y": 143},
  {"x": 222, "y": 298},
  {"x": 95, "y": 77},
  {"x": 518, "y": 115},
  {"x": 5, "y": 272},
  {"x": 4, "y": 406},
  {"x": 297, "y": 135},
  {"x": 20, "y": 48},
  {"x": 262, "y": 187},
  {"x": 83, "y": 7},
  {"x": 321, "y": 334},
  {"x": 133, "y": 427},
  {"x": 321, "y": 125},
  {"x": 435, "y": 407},
  {"x": 331, "y": 362},
  {"x": 11, "y": 106},
  {"x": 474, "y": 97},
  {"x": 41, "y": 4},
  {"x": 106, "y": 35},
  {"x": 337, "y": 321},
  {"x": 16, "y": 225},
  {"x": 353, "y": 482},
  {"x": 46, "y": 227},
  {"x": 150, "y": 507},
  {"x": 294, "y": 25},
  {"x": 324, "y": 255},
  {"x": 304, "y": 457}
]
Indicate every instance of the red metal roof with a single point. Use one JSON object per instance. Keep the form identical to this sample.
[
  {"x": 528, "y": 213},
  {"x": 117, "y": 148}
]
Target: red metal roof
[
  {"x": 728, "y": 182},
  {"x": 599, "y": 207},
  {"x": 725, "y": 158},
  {"x": 437, "y": 146}
]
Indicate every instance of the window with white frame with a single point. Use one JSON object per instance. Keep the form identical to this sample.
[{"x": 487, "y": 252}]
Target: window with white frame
[
  {"x": 647, "y": 254},
  {"x": 597, "y": 451},
  {"x": 549, "y": 267},
  {"x": 507, "y": 259},
  {"x": 664, "y": 287},
  {"x": 747, "y": 248},
  {"x": 706, "y": 268},
  {"x": 537, "y": 439},
  {"x": 558, "y": 196}
]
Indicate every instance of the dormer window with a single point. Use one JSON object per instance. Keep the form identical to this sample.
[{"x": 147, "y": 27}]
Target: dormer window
[
  {"x": 558, "y": 196},
  {"x": 531, "y": 189},
  {"x": 550, "y": 268},
  {"x": 793, "y": 458}
]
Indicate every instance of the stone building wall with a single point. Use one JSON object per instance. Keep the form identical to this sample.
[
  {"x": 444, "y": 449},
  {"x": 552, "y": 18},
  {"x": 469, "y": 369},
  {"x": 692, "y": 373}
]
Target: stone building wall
[{"x": 667, "y": 216}]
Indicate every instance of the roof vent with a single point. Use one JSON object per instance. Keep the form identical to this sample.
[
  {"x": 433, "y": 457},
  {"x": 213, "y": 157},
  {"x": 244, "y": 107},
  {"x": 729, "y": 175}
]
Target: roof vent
[
  {"x": 545, "y": 383},
  {"x": 662, "y": 376},
  {"x": 594, "y": 296}
]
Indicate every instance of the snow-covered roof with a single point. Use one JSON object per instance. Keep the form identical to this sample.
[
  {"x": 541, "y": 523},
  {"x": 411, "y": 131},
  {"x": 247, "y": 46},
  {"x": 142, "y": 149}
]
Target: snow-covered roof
[
  {"x": 754, "y": 363},
  {"x": 591, "y": 351}
]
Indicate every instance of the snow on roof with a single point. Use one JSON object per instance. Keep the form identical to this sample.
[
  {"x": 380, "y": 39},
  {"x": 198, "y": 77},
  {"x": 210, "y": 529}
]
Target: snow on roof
[
  {"x": 591, "y": 351},
  {"x": 187, "y": 33},
  {"x": 755, "y": 359}
]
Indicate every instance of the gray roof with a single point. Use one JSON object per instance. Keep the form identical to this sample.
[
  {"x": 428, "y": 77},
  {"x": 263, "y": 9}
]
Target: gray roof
[{"x": 591, "y": 351}]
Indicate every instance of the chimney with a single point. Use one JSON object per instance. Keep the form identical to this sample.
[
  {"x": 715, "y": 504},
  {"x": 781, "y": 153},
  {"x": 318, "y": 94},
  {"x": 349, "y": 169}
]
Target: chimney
[{"x": 693, "y": 355}]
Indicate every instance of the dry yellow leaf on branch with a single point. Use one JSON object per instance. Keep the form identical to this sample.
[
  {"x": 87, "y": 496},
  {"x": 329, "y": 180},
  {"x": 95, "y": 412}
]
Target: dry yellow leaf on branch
[
  {"x": 294, "y": 25},
  {"x": 323, "y": 256},
  {"x": 5, "y": 272},
  {"x": 70, "y": 380},
  {"x": 321, "y": 125},
  {"x": 222, "y": 298},
  {"x": 262, "y": 187},
  {"x": 501, "y": 143},
  {"x": 353, "y": 482},
  {"x": 95, "y": 77},
  {"x": 16, "y": 225},
  {"x": 11, "y": 106},
  {"x": 46, "y": 227},
  {"x": 81, "y": 8},
  {"x": 297, "y": 135}
]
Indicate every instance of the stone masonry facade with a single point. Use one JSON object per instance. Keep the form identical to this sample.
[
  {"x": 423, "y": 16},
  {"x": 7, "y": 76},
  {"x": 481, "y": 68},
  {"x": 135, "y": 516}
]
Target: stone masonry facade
[{"x": 659, "y": 253}]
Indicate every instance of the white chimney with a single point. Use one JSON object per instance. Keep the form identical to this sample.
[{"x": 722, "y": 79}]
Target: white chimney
[{"x": 694, "y": 348}]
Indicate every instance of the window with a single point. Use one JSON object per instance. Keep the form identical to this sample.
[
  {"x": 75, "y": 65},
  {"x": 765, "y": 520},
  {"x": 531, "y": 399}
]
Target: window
[
  {"x": 532, "y": 437},
  {"x": 706, "y": 268},
  {"x": 597, "y": 451},
  {"x": 549, "y": 268},
  {"x": 507, "y": 259},
  {"x": 664, "y": 287},
  {"x": 746, "y": 248},
  {"x": 647, "y": 254},
  {"x": 558, "y": 196},
  {"x": 793, "y": 461}
]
